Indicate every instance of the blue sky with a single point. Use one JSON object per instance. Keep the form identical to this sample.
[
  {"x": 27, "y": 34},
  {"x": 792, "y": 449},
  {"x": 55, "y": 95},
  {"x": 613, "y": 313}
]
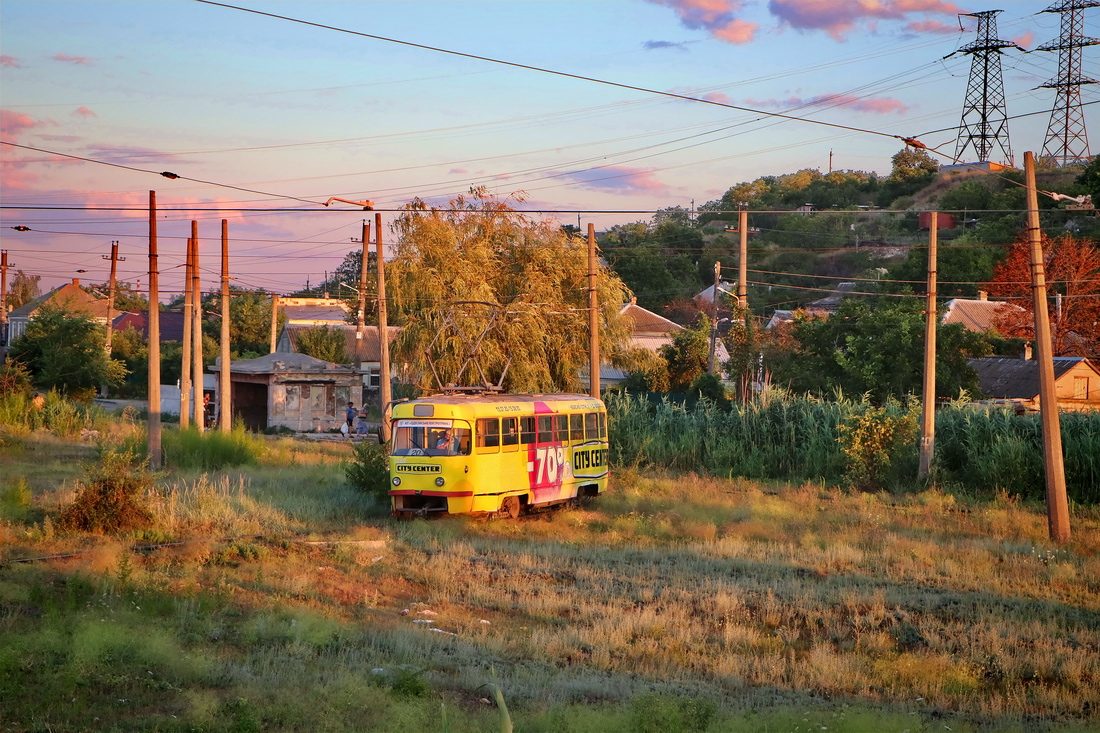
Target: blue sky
[{"x": 301, "y": 113}]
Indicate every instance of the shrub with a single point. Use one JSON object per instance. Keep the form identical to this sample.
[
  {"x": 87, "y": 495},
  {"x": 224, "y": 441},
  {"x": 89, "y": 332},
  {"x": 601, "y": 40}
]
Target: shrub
[
  {"x": 15, "y": 499},
  {"x": 369, "y": 469},
  {"x": 874, "y": 443},
  {"x": 112, "y": 498},
  {"x": 14, "y": 378}
]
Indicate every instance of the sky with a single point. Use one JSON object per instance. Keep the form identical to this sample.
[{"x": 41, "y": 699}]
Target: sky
[{"x": 265, "y": 118}]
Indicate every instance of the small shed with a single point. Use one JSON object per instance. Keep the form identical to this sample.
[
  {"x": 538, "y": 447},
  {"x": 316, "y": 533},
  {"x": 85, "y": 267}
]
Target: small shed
[
  {"x": 294, "y": 391},
  {"x": 1076, "y": 382}
]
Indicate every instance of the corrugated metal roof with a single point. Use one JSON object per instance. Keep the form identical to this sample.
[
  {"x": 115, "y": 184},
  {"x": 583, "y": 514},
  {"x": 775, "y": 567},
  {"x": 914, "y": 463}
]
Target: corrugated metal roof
[
  {"x": 286, "y": 362},
  {"x": 1005, "y": 378}
]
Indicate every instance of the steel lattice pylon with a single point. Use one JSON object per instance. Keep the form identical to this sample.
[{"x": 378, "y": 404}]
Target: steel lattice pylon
[
  {"x": 984, "y": 125},
  {"x": 1066, "y": 142}
]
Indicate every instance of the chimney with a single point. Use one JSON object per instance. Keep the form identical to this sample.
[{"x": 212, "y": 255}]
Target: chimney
[
  {"x": 76, "y": 281},
  {"x": 1026, "y": 356},
  {"x": 982, "y": 295}
]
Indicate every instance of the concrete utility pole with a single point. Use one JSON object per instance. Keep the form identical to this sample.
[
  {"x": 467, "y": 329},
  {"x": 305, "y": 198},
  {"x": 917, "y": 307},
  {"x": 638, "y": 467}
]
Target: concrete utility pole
[
  {"x": 225, "y": 396},
  {"x": 4, "y": 295},
  {"x": 384, "y": 384},
  {"x": 153, "y": 425},
  {"x": 714, "y": 317},
  {"x": 361, "y": 314},
  {"x": 115, "y": 259},
  {"x": 743, "y": 261},
  {"x": 928, "y": 412},
  {"x": 274, "y": 320},
  {"x": 593, "y": 318},
  {"x": 188, "y": 322},
  {"x": 1057, "y": 502},
  {"x": 196, "y": 332}
]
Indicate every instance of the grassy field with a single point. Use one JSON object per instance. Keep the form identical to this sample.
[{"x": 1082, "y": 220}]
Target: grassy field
[{"x": 274, "y": 597}]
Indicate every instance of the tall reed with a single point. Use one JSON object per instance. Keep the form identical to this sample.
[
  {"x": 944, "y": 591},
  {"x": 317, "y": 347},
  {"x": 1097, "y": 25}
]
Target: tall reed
[{"x": 795, "y": 437}]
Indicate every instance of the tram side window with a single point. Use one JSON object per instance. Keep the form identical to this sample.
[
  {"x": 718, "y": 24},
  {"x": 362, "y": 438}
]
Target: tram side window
[
  {"x": 576, "y": 427},
  {"x": 527, "y": 430},
  {"x": 509, "y": 431},
  {"x": 561, "y": 428},
  {"x": 546, "y": 429},
  {"x": 591, "y": 425},
  {"x": 488, "y": 433}
]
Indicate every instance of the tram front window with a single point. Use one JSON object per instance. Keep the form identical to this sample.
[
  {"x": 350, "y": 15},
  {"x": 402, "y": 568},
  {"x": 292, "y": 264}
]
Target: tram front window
[{"x": 420, "y": 440}]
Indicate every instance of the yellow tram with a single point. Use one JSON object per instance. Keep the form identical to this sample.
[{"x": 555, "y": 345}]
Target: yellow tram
[{"x": 496, "y": 453}]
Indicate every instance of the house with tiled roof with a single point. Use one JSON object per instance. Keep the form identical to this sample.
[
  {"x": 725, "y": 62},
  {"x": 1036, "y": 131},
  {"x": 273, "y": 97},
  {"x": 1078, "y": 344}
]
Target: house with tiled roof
[
  {"x": 649, "y": 331},
  {"x": 976, "y": 315},
  {"x": 70, "y": 297},
  {"x": 314, "y": 311}
]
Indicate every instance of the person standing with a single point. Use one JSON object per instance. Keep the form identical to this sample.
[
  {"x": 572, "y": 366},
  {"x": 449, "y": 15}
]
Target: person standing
[{"x": 349, "y": 419}]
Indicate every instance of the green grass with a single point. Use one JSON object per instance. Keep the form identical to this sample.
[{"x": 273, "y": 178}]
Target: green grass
[{"x": 271, "y": 597}]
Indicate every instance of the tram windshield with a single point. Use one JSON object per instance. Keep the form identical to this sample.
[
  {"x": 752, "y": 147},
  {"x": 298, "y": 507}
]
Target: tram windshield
[{"x": 431, "y": 438}]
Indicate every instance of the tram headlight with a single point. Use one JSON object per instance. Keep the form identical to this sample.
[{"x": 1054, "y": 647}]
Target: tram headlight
[
  {"x": 396, "y": 480},
  {"x": 439, "y": 481}
]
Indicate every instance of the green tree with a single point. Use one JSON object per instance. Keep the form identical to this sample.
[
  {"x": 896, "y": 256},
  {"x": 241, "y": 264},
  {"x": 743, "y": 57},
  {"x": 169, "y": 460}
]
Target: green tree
[
  {"x": 1090, "y": 179},
  {"x": 532, "y": 279},
  {"x": 912, "y": 163},
  {"x": 64, "y": 351},
  {"x": 23, "y": 289},
  {"x": 132, "y": 349},
  {"x": 127, "y": 298},
  {"x": 688, "y": 355},
  {"x": 878, "y": 351},
  {"x": 327, "y": 344},
  {"x": 249, "y": 322}
]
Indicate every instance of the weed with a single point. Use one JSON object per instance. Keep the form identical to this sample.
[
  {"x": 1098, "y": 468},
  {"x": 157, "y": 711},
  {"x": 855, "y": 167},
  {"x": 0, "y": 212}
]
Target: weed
[
  {"x": 15, "y": 499},
  {"x": 112, "y": 498}
]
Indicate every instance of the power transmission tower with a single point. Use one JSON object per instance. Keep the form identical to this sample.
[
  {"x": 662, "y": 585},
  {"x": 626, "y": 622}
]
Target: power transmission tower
[
  {"x": 1066, "y": 142},
  {"x": 984, "y": 125}
]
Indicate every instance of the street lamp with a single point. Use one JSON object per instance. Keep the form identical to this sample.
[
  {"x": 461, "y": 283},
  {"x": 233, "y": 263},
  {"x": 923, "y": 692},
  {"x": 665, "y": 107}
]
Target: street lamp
[{"x": 367, "y": 205}]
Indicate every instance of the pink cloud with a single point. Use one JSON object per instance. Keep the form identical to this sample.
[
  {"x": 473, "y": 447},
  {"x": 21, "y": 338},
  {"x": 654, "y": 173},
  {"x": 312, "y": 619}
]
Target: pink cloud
[
  {"x": 837, "y": 17},
  {"x": 932, "y": 26},
  {"x": 458, "y": 171},
  {"x": 84, "y": 112},
  {"x": 78, "y": 60},
  {"x": 1025, "y": 40},
  {"x": 618, "y": 179},
  {"x": 717, "y": 17},
  {"x": 718, "y": 97},
  {"x": 10, "y": 61},
  {"x": 12, "y": 124},
  {"x": 876, "y": 106}
]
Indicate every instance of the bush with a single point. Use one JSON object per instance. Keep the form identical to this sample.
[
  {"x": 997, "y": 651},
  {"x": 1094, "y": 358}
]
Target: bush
[
  {"x": 112, "y": 498},
  {"x": 369, "y": 470},
  {"x": 875, "y": 443}
]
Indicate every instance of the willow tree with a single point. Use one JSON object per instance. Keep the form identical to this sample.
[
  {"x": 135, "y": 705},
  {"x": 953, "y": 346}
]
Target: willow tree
[{"x": 479, "y": 276}]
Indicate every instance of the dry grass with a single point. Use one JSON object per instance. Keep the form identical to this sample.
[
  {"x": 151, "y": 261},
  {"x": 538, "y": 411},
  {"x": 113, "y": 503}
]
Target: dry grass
[{"x": 280, "y": 591}]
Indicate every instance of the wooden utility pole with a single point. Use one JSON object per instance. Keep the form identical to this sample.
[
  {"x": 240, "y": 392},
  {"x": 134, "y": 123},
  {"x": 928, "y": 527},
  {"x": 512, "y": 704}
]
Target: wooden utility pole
[
  {"x": 188, "y": 322},
  {"x": 361, "y": 314},
  {"x": 714, "y": 317},
  {"x": 274, "y": 320},
  {"x": 196, "y": 332},
  {"x": 225, "y": 392},
  {"x": 4, "y": 295},
  {"x": 1057, "y": 502},
  {"x": 384, "y": 385},
  {"x": 593, "y": 318},
  {"x": 115, "y": 259},
  {"x": 153, "y": 424},
  {"x": 931, "y": 316}
]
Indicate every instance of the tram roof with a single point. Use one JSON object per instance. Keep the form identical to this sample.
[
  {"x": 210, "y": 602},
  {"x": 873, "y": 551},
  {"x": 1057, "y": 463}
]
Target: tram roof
[{"x": 497, "y": 398}]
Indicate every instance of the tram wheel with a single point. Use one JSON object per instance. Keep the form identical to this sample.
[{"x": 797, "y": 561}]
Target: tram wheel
[{"x": 510, "y": 507}]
